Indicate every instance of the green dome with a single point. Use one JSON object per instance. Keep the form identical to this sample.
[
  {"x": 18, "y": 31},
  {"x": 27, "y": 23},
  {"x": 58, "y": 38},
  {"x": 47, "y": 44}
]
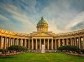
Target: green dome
[
  {"x": 42, "y": 25},
  {"x": 42, "y": 21}
]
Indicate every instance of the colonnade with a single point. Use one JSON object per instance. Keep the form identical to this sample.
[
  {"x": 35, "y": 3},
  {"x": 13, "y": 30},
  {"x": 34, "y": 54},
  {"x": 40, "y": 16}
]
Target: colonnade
[
  {"x": 36, "y": 43},
  {"x": 6, "y": 42}
]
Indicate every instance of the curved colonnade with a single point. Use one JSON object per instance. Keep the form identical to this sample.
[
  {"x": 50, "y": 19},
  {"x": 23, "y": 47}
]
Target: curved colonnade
[{"x": 34, "y": 43}]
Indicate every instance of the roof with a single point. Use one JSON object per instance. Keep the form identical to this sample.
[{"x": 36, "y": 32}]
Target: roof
[{"x": 42, "y": 21}]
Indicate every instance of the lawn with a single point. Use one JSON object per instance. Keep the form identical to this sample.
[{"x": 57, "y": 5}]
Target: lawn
[{"x": 39, "y": 57}]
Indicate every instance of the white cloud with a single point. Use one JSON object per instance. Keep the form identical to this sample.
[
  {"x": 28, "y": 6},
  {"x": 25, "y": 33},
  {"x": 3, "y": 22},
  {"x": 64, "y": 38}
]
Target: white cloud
[
  {"x": 5, "y": 24},
  {"x": 21, "y": 17},
  {"x": 59, "y": 15},
  {"x": 79, "y": 18},
  {"x": 3, "y": 18}
]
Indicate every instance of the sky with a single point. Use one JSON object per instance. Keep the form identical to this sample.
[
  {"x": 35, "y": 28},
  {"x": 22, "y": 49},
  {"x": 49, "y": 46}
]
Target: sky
[{"x": 23, "y": 15}]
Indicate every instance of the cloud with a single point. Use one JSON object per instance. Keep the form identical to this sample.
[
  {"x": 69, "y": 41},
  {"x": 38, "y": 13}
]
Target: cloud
[
  {"x": 20, "y": 17},
  {"x": 5, "y": 23},
  {"x": 3, "y": 18},
  {"x": 61, "y": 15},
  {"x": 76, "y": 21}
]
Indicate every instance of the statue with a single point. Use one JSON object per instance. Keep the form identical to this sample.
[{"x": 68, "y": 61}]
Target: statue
[{"x": 43, "y": 49}]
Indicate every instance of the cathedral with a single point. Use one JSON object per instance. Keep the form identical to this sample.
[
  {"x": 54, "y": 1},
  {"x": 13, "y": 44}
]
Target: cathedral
[{"x": 42, "y": 36}]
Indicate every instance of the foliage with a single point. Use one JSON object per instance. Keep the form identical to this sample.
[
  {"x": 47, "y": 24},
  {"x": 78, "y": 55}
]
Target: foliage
[
  {"x": 17, "y": 48},
  {"x": 82, "y": 51},
  {"x": 68, "y": 48},
  {"x": 3, "y": 51}
]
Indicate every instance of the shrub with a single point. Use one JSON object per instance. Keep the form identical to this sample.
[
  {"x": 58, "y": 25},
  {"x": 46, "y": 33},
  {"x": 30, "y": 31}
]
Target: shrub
[
  {"x": 69, "y": 48},
  {"x": 3, "y": 51},
  {"x": 17, "y": 48},
  {"x": 82, "y": 51}
]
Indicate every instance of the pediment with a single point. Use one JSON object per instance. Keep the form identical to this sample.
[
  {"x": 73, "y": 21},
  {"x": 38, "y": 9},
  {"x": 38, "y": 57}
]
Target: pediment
[{"x": 49, "y": 34}]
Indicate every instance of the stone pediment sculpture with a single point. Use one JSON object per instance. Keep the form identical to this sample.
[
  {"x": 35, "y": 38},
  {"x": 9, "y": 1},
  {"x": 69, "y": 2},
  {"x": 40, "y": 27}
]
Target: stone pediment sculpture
[{"x": 42, "y": 34}]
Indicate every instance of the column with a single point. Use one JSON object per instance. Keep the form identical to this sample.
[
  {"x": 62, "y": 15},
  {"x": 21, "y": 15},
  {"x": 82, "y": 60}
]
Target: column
[
  {"x": 13, "y": 41},
  {"x": 79, "y": 42},
  {"x": 55, "y": 45},
  {"x": 63, "y": 42},
  {"x": 52, "y": 43},
  {"x": 0, "y": 42},
  {"x": 44, "y": 41},
  {"x": 28, "y": 43},
  {"x": 5, "y": 42},
  {"x": 32, "y": 44},
  {"x": 36, "y": 44},
  {"x": 58, "y": 43},
  {"x": 48, "y": 44},
  {"x": 83, "y": 43},
  {"x": 21, "y": 42},
  {"x": 16, "y": 41},
  {"x": 71, "y": 42},
  {"x": 10, "y": 42},
  {"x": 40, "y": 44},
  {"x": 25, "y": 42},
  {"x": 75, "y": 41},
  {"x": 67, "y": 40}
]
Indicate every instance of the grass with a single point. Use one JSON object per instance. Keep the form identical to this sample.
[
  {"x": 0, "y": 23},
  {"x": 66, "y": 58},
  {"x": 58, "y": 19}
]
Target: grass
[{"x": 39, "y": 57}]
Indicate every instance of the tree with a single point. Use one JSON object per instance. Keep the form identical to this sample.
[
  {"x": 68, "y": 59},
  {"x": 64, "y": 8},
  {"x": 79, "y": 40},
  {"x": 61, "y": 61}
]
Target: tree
[
  {"x": 69, "y": 48},
  {"x": 17, "y": 48},
  {"x": 4, "y": 51}
]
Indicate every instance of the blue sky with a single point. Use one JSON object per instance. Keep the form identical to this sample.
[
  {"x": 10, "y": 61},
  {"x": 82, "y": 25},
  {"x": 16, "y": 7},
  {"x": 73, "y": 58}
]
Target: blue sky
[{"x": 23, "y": 15}]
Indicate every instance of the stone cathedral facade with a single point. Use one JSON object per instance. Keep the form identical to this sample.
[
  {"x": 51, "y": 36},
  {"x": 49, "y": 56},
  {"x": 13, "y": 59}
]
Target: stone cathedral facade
[{"x": 35, "y": 40}]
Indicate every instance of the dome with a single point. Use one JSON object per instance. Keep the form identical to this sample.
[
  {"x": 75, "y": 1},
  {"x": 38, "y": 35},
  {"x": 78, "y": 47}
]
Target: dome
[
  {"x": 42, "y": 22},
  {"x": 42, "y": 25}
]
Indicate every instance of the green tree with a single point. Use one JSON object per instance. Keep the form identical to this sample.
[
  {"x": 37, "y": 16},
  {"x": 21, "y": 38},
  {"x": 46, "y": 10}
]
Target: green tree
[
  {"x": 69, "y": 48},
  {"x": 17, "y": 48}
]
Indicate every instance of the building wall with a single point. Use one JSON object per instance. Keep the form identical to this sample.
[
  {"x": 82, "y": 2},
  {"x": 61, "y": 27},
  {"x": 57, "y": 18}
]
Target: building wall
[{"x": 34, "y": 43}]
